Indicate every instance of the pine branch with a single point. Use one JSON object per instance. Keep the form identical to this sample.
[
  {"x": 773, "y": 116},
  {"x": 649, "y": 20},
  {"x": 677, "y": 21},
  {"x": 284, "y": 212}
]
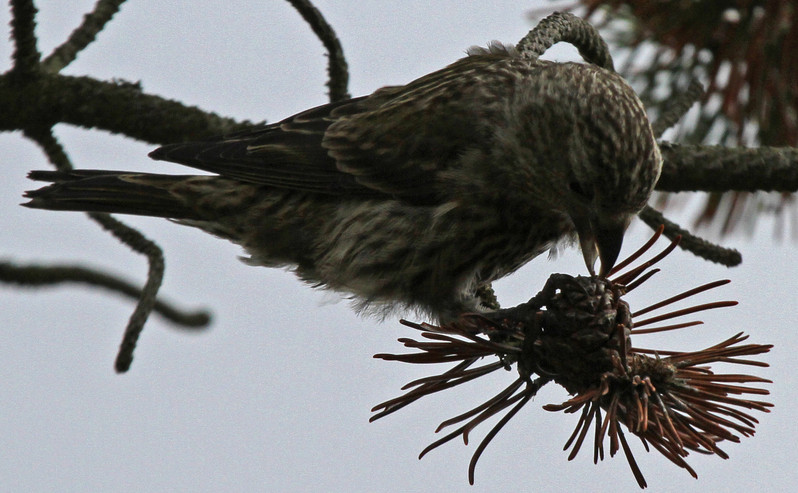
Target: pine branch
[
  {"x": 120, "y": 107},
  {"x": 721, "y": 169}
]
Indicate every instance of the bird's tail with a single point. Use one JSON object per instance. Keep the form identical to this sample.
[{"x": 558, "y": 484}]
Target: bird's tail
[{"x": 143, "y": 194}]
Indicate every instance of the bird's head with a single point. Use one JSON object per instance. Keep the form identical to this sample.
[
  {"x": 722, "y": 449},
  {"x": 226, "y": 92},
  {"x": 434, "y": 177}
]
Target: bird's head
[{"x": 591, "y": 153}]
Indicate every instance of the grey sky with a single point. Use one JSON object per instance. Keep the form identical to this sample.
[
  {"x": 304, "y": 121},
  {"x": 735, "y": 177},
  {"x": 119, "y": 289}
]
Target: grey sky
[{"x": 276, "y": 395}]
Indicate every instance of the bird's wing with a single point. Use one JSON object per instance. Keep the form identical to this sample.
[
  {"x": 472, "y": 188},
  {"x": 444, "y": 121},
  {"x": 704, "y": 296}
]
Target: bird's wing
[
  {"x": 394, "y": 142},
  {"x": 286, "y": 155}
]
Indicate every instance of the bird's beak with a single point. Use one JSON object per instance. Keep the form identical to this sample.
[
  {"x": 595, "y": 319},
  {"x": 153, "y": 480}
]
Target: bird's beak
[{"x": 601, "y": 238}]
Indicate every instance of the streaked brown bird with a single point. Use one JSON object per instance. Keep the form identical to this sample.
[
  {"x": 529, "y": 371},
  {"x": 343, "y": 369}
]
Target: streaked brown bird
[{"x": 417, "y": 195}]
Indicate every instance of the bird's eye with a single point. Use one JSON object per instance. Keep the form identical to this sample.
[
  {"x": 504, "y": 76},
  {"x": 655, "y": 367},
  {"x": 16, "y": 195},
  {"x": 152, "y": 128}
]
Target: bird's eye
[{"x": 577, "y": 188}]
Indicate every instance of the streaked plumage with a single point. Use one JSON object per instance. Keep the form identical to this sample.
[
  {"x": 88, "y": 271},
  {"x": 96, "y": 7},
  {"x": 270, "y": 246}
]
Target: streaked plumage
[{"x": 415, "y": 195}]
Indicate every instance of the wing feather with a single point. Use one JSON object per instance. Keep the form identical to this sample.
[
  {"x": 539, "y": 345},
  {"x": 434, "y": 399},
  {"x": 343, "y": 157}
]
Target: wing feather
[{"x": 393, "y": 143}]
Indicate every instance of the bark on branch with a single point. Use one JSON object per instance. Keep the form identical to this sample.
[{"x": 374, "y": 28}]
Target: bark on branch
[{"x": 120, "y": 107}]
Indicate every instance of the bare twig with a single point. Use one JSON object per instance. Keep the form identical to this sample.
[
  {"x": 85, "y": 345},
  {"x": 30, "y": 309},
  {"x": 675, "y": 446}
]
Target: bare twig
[
  {"x": 93, "y": 23},
  {"x": 23, "y": 32},
  {"x": 678, "y": 108},
  {"x": 337, "y": 67},
  {"x": 43, "y": 136},
  {"x": 571, "y": 29},
  {"x": 144, "y": 307},
  {"x": 51, "y": 275},
  {"x": 693, "y": 244}
]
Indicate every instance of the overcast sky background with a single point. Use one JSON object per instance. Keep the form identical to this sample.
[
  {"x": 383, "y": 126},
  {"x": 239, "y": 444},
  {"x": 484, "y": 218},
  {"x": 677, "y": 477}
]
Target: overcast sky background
[{"x": 275, "y": 396}]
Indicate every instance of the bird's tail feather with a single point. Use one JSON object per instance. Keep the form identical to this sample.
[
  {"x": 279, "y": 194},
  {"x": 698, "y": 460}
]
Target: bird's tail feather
[{"x": 142, "y": 194}]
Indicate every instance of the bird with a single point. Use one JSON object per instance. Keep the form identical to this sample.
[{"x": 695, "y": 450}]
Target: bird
[{"x": 417, "y": 196}]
